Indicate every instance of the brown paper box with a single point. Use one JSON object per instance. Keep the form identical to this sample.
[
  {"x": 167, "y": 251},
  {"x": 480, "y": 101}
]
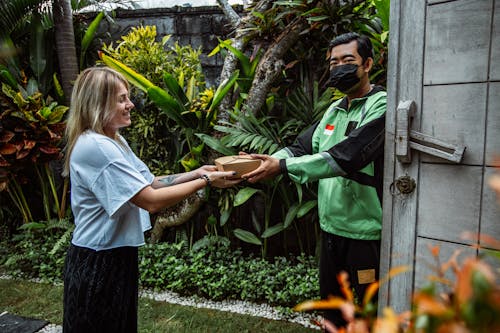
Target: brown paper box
[{"x": 240, "y": 164}]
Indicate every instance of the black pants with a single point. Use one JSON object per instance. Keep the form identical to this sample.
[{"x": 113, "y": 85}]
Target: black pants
[
  {"x": 101, "y": 290},
  {"x": 359, "y": 258}
]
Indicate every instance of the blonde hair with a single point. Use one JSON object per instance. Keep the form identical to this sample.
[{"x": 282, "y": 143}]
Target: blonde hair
[{"x": 93, "y": 102}]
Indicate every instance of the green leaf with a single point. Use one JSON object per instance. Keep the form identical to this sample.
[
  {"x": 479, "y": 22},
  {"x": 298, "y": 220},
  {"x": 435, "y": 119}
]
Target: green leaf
[
  {"x": 247, "y": 236},
  {"x": 243, "y": 195},
  {"x": 57, "y": 87},
  {"x": 212, "y": 220},
  {"x": 306, "y": 207},
  {"x": 291, "y": 214},
  {"x": 190, "y": 163},
  {"x": 196, "y": 150},
  {"x": 132, "y": 76},
  {"x": 7, "y": 77},
  {"x": 271, "y": 231},
  {"x": 33, "y": 226},
  {"x": 317, "y": 18},
  {"x": 244, "y": 60},
  {"x": 214, "y": 51},
  {"x": 174, "y": 88},
  {"x": 167, "y": 104},
  {"x": 89, "y": 36},
  {"x": 191, "y": 88},
  {"x": 57, "y": 114},
  {"x": 216, "y": 144},
  {"x": 383, "y": 12},
  {"x": 223, "y": 89},
  {"x": 37, "y": 53},
  {"x": 224, "y": 217}
]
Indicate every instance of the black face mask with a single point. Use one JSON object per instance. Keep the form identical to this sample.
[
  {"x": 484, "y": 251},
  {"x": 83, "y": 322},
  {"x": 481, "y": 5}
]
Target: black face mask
[{"x": 344, "y": 77}]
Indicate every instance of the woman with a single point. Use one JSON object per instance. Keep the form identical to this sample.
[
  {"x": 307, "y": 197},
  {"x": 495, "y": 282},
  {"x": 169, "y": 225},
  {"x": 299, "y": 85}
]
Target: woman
[{"x": 112, "y": 192}]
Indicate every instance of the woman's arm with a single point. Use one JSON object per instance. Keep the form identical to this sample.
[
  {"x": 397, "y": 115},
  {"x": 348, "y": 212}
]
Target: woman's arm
[
  {"x": 179, "y": 178},
  {"x": 154, "y": 199}
]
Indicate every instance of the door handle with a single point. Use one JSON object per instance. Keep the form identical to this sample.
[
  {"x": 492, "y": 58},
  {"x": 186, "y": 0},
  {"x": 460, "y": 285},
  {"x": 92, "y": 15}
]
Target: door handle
[{"x": 407, "y": 139}]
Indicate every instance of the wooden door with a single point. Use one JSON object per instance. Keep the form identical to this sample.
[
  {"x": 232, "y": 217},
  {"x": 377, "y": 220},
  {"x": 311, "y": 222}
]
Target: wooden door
[{"x": 445, "y": 57}]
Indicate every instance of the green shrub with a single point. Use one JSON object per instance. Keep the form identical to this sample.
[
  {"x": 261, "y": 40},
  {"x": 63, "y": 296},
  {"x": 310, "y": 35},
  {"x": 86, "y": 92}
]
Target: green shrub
[
  {"x": 38, "y": 251},
  {"x": 214, "y": 271},
  {"x": 217, "y": 272}
]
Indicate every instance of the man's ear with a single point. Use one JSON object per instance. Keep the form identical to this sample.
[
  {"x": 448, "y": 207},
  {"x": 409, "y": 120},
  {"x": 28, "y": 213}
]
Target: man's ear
[{"x": 367, "y": 66}]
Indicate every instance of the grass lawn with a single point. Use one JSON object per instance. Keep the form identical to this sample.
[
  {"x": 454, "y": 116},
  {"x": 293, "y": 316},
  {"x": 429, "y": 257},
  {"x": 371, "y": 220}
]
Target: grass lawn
[{"x": 44, "y": 301}]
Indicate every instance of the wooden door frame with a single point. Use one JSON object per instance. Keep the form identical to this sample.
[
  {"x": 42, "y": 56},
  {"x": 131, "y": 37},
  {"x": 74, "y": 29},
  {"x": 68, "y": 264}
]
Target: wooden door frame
[{"x": 404, "y": 82}]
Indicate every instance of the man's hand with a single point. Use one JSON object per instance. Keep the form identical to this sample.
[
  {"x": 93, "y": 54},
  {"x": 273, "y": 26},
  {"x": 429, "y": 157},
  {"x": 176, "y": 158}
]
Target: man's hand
[{"x": 269, "y": 168}]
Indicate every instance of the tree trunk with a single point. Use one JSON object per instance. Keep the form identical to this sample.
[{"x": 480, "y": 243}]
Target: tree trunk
[
  {"x": 65, "y": 44},
  {"x": 271, "y": 65},
  {"x": 177, "y": 215},
  {"x": 239, "y": 43}
]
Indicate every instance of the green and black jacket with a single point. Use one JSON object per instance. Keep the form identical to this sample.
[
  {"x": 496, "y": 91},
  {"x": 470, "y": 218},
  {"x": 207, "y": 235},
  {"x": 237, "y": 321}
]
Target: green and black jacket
[{"x": 344, "y": 152}]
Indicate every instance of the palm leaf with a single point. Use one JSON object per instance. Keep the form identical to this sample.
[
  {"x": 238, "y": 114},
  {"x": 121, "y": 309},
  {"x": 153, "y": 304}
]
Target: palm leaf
[{"x": 14, "y": 13}]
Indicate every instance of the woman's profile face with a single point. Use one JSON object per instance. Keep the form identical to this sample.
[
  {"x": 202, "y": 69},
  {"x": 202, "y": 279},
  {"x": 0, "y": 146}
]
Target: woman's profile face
[{"x": 121, "y": 117}]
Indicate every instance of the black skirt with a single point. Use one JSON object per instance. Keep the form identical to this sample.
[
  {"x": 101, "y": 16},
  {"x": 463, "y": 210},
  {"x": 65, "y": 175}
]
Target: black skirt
[{"x": 101, "y": 290}]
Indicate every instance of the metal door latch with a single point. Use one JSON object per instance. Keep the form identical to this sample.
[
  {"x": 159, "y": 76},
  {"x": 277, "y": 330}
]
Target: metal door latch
[{"x": 406, "y": 139}]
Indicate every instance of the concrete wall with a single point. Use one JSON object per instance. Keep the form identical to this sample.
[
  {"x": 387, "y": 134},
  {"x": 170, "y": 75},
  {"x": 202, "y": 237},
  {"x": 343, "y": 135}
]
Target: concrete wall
[{"x": 195, "y": 26}]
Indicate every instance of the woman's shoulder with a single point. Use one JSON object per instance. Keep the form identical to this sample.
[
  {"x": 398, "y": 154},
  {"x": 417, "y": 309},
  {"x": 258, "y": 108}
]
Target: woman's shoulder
[{"x": 92, "y": 146}]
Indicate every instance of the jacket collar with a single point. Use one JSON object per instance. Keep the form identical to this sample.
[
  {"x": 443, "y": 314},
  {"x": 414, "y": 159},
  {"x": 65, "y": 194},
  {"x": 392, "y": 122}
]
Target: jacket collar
[{"x": 376, "y": 89}]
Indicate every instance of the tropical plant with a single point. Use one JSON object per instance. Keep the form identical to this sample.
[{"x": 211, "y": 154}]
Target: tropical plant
[
  {"x": 46, "y": 29},
  {"x": 31, "y": 130},
  {"x": 212, "y": 269}
]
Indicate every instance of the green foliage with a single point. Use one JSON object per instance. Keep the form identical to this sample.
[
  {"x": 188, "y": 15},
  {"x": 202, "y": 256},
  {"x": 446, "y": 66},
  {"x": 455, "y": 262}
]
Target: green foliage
[
  {"x": 140, "y": 50},
  {"x": 217, "y": 272},
  {"x": 211, "y": 269},
  {"x": 38, "y": 251},
  {"x": 250, "y": 134}
]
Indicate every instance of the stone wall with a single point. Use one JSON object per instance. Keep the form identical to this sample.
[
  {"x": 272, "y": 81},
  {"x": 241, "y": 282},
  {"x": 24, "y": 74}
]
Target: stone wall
[{"x": 195, "y": 26}]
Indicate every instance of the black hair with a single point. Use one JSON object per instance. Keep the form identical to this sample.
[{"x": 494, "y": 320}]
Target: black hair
[{"x": 365, "y": 48}]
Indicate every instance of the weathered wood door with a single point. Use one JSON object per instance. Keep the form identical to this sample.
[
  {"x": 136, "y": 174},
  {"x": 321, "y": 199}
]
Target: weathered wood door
[{"x": 444, "y": 56}]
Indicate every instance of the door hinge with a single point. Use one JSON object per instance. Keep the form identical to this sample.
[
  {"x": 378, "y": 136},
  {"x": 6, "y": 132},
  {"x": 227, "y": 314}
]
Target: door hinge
[{"x": 407, "y": 139}]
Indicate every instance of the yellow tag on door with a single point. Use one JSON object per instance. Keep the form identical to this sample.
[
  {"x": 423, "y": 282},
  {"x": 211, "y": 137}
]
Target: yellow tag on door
[{"x": 366, "y": 276}]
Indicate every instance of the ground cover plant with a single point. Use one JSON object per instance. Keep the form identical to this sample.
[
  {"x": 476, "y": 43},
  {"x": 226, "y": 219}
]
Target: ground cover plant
[{"x": 214, "y": 271}]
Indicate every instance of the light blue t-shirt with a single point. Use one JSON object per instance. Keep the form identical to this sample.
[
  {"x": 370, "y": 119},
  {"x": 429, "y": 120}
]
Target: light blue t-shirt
[{"x": 104, "y": 177}]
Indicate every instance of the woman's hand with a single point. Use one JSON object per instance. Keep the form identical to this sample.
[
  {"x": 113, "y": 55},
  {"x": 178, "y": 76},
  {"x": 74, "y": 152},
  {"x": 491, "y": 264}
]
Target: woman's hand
[
  {"x": 222, "y": 179},
  {"x": 204, "y": 170}
]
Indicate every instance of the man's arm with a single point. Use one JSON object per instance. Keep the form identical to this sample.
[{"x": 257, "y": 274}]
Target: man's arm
[{"x": 362, "y": 146}]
